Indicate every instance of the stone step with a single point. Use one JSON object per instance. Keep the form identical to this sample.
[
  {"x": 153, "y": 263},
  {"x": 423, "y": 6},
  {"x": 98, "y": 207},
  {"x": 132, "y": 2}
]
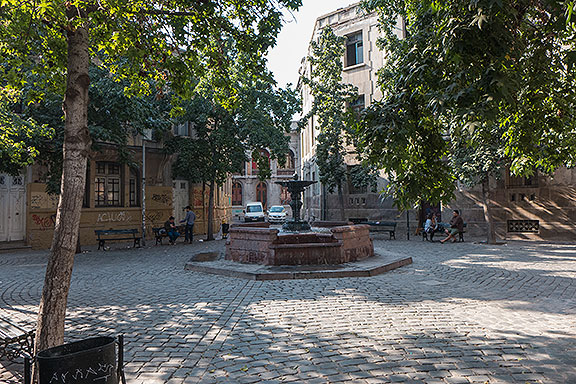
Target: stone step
[{"x": 11, "y": 246}]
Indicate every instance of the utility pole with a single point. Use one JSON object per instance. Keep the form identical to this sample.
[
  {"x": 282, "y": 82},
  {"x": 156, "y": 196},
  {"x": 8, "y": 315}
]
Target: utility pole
[
  {"x": 407, "y": 224},
  {"x": 143, "y": 190}
]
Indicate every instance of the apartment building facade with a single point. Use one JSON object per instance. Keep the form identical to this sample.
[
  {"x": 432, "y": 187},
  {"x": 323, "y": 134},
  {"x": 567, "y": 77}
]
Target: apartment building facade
[
  {"x": 361, "y": 61},
  {"x": 538, "y": 207}
]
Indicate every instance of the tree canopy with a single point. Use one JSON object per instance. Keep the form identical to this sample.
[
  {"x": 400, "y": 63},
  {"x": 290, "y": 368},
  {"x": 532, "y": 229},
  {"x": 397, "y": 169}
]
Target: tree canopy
[
  {"x": 485, "y": 85},
  {"x": 330, "y": 100},
  {"x": 149, "y": 44}
]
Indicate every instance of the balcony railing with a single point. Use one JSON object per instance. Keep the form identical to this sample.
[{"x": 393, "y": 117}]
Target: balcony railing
[{"x": 285, "y": 172}]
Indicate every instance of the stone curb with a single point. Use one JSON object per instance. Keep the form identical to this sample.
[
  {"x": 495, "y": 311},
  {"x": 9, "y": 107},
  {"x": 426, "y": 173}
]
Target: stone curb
[{"x": 352, "y": 271}]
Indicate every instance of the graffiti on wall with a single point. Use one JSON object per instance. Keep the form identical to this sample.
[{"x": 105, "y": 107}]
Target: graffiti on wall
[
  {"x": 153, "y": 217},
  {"x": 42, "y": 200},
  {"x": 162, "y": 198},
  {"x": 44, "y": 222},
  {"x": 113, "y": 217}
]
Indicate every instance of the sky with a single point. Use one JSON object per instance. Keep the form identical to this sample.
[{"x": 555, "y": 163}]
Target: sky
[{"x": 292, "y": 43}]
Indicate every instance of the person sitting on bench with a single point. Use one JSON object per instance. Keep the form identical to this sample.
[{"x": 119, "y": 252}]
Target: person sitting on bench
[
  {"x": 456, "y": 226},
  {"x": 430, "y": 226},
  {"x": 171, "y": 230}
]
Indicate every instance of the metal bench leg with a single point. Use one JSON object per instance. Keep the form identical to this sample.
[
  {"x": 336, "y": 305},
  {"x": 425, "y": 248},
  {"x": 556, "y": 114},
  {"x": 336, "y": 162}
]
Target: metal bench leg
[
  {"x": 101, "y": 244},
  {"x": 27, "y": 370},
  {"x": 121, "y": 359}
]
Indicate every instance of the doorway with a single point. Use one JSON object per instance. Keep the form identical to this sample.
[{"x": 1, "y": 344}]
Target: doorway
[
  {"x": 181, "y": 196},
  {"x": 12, "y": 208},
  {"x": 262, "y": 193}
]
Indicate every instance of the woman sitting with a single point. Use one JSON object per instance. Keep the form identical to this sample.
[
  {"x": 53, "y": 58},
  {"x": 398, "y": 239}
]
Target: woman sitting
[{"x": 430, "y": 226}]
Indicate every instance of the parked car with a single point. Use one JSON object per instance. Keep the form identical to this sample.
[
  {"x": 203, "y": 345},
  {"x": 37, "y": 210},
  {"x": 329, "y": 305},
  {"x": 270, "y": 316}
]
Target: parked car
[
  {"x": 277, "y": 214},
  {"x": 254, "y": 212}
]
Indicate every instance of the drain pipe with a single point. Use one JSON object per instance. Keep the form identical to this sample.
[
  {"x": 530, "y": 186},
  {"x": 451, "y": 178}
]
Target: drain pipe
[{"x": 324, "y": 208}]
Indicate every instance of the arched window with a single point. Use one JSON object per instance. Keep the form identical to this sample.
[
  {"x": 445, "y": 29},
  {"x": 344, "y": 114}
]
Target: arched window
[
  {"x": 291, "y": 160},
  {"x": 263, "y": 153},
  {"x": 236, "y": 193},
  {"x": 262, "y": 193},
  {"x": 284, "y": 196}
]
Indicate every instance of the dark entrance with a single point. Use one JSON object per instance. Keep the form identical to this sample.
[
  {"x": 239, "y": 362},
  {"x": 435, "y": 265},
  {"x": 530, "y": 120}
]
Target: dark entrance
[{"x": 262, "y": 193}]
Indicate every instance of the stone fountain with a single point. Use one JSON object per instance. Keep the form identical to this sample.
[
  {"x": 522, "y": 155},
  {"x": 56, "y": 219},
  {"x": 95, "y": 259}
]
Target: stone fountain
[
  {"x": 295, "y": 188},
  {"x": 297, "y": 243}
]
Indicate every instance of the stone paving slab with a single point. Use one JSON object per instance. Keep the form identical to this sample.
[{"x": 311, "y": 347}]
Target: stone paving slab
[
  {"x": 461, "y": 313},
  {"x": 366, "y": 268}
]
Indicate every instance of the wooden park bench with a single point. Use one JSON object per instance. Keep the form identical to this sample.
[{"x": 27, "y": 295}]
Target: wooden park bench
[
  {"x": 159, "y": 234},
  {"x": 105, "y": 235},
  {"x": 460, "y": 234},
  {"x": 382, "y": 226},
  {"x": 15, "y": 341}
]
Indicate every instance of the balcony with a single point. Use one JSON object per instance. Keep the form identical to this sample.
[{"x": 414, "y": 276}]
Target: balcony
[{"x": 285, "y": 172}]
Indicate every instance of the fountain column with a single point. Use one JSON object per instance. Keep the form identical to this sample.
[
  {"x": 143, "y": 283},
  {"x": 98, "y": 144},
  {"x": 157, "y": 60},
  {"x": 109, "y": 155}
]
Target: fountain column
[{"x": 295, "y": 188}]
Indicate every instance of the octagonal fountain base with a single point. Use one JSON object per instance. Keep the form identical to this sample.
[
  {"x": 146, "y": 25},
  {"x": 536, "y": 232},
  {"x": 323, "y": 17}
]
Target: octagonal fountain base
[{"x": 269, "y": 246}]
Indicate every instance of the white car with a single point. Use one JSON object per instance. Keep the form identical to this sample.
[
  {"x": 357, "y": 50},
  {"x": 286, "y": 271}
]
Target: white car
[
  {"x": 254, "y": 212},
  {"x": 277, "y": 214}
]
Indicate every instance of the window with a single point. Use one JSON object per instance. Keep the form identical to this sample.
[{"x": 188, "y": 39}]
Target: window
[
  {"x": 354, "y": 49},
  {"x": 314, "y": 190},
  {"x": 262, "y": 153},
  {"x": 236, "y": 193},
  {"x": 285, "y": 196},
  {"x": 291, "y": 160},
  {"x": 86, "y": 198},
  {"x": 182, "y": 129},
  {"x": 357, "y": 182},
  {"x": 107, "y": 185},
  {"x": 134, "y": 189},
  {"x": 254, "y": 208},
  {"x": 358, "y": 104},
  {"x": 522, "y": 181}
]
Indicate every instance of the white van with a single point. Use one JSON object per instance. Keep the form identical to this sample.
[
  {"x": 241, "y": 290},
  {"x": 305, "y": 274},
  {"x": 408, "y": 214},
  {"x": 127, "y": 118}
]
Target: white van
[{"x": 254, "y": 212}]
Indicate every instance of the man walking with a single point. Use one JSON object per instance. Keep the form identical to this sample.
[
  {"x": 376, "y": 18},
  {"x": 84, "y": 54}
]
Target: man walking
[{"x": 189, "y": 220}]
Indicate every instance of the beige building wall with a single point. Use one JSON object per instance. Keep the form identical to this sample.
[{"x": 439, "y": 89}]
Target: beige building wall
[
  {"x": 319, "y": 203},
  {"x": 41, "y": 206}
]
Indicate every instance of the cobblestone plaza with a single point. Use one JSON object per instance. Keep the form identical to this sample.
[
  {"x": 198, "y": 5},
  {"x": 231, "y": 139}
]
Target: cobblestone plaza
[{"x": 461, "y": 313}]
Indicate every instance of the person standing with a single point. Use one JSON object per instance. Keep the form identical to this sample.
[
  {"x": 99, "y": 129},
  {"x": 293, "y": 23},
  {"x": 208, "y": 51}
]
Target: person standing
[{"x": 189, "y": 221}]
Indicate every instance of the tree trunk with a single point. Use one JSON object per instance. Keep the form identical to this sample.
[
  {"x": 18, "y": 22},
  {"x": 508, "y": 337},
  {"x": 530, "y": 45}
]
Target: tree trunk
[
  {"x": 52, "y": 310},
  {"x": 210, "y": 230},
  {"x": 204, "y": 215},
  {"x": 78, "y": 246},
  {"x": 491, "y": 234},
  {"x": 341, "y": 202}
]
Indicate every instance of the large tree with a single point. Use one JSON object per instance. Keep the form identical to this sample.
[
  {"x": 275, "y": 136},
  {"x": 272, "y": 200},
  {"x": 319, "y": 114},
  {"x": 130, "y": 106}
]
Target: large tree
[
  {"x": 471, "y": 88},
  {"x": 330, "y": 99},
  {"x": 171, "y": 41},
  {"x": 259, "y": 118}
]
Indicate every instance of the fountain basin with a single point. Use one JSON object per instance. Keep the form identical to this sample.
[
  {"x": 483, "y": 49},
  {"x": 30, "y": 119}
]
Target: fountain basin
[{"x": 268, "y": 246}]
